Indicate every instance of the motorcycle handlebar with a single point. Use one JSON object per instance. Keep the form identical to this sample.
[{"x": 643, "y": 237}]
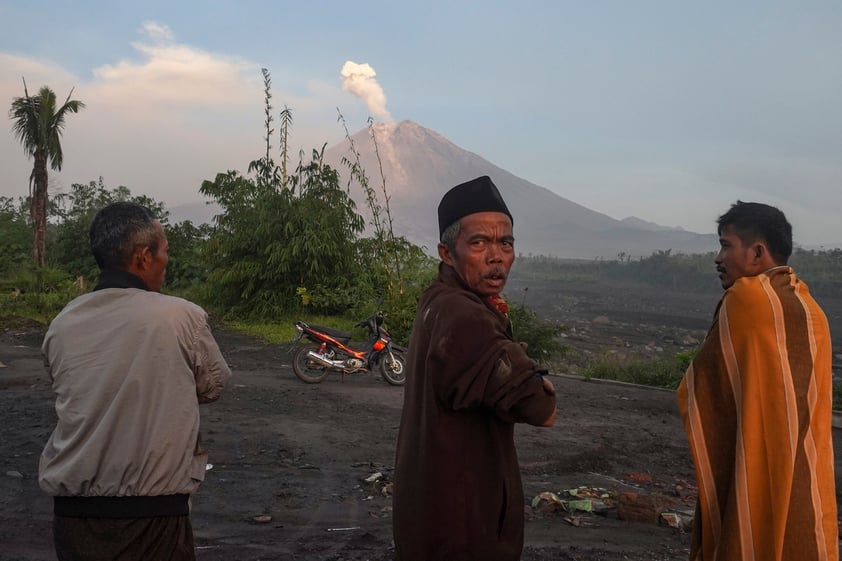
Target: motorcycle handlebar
[{"x": 373, "y": 321}]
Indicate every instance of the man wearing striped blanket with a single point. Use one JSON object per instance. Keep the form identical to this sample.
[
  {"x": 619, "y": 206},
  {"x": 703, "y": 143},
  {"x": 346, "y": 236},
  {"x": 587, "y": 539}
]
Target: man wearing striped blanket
[{"x": 757, "y": 405}]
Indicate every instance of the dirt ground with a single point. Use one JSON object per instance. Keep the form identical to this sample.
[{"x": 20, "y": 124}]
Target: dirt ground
[{"x": 304, "y": 472}]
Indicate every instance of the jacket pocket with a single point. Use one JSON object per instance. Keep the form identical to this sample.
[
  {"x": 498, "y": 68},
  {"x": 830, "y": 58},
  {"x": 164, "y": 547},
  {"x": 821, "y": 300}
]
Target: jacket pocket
[{"x": 199, "y": 466}]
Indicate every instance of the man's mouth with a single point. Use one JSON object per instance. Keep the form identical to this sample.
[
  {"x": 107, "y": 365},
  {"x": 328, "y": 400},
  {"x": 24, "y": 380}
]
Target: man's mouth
[{"x": 496, "y": 277}]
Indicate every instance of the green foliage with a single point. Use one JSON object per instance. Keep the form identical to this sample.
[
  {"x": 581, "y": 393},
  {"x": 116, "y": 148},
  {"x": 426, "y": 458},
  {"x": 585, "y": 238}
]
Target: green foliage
[
  {"x": 41, "y": 293},
  {"x": 289, "y": 243},
  {"x": 660, "y": 372},
  {"x": 38, "y": 125},
  {"x": 36, "y": 293},
  {"x": 324, "y": 225},
  {"x": 822, "y": 270},
  {"x": 36, "y": 306},
  {"x": 541, "y": 336},
  {"x": 15, "y": 236},
  {"x": 280, "y": 331},
  {"x": 340, "y": 297},
  {"x": 543, "y": 267},
  {"x": 694, "y": 272},
  {"x": 71, "y": 215},
  {"x": 187, "y": 266},
  {"x": 417, "y": 271},
  {"x": 683, "y": 359},
  {"x": 47, "y": 281},
  {"x": 273, "y": 239}
]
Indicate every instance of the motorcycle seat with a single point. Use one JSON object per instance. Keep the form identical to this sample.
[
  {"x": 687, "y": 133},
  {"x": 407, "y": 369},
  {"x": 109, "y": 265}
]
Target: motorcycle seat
[{"x": 338, "y": 334}]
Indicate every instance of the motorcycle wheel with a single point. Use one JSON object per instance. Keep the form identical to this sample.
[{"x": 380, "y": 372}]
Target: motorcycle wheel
[
  {"x": 307, "y": 370},
  {"x": 393, "y": 369}
]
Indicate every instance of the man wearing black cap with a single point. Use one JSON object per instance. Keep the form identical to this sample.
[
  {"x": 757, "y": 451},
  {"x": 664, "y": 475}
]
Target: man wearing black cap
[{"x": 458, "y": 492}]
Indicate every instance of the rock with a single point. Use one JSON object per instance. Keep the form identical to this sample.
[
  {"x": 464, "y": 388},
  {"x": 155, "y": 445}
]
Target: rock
[
  {"x": 601, "y": 320},
  {"x": 642, "y": 508},
  {"x": 639, "y": 477},
  {"x": 679, "y": 520},
  {"x": 15, "y": 474}
]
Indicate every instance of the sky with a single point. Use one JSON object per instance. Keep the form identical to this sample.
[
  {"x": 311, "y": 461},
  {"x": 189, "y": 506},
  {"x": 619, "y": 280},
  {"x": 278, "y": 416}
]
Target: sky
[{"x": 665, "y": 110}]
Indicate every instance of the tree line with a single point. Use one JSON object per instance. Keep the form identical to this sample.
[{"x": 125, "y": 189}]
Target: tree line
[{"x": 821, "y": 269}]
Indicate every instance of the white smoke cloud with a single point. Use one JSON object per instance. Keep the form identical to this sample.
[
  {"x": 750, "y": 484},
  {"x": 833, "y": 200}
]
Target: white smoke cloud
[{"x": 359, "y": 80}]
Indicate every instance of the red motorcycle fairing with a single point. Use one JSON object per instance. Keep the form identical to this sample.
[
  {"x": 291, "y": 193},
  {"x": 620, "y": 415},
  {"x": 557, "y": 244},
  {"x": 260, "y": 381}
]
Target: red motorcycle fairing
[{"x": 333, "y": 337}]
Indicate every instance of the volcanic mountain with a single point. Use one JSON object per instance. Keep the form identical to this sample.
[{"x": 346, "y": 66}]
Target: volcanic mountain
[{"x": 419, "y": 166}]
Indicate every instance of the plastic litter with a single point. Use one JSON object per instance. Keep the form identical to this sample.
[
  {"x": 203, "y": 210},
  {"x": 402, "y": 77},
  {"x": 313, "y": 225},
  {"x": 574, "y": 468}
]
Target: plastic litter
[{"x": 376, "y": 476}]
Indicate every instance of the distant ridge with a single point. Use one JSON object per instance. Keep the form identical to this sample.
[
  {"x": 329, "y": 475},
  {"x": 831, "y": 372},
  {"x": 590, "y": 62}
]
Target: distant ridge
[{"x": 635, "y": 222}]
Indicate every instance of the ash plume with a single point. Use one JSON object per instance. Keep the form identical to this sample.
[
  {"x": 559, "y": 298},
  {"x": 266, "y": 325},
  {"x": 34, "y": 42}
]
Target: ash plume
[{"x": 359, "y": 79}]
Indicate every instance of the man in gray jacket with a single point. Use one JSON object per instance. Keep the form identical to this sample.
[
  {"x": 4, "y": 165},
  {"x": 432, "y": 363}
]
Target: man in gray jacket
[{"x": 129, "y": 367}]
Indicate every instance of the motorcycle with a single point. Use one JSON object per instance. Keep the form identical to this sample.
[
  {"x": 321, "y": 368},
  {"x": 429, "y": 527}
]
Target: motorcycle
[{"x": 330, "y": 350}]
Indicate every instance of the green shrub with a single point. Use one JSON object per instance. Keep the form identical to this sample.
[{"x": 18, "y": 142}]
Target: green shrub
[
  {"x": 38, "y": 294},
  {"x": 659, "y": 372},
  {"x": 41, "y": 307},
  {"x": 541, "y": 336}
]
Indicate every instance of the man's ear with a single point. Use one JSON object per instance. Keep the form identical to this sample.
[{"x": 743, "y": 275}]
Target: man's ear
[
  {"x": 141, "y": 258},
  {"x": 761, "y": 256},
  {"x": 445, "y": 255}
]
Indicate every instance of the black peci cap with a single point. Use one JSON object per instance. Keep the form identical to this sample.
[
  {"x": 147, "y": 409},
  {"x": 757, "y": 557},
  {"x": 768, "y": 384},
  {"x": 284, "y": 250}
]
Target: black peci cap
[{"x": 476, "y": 195}]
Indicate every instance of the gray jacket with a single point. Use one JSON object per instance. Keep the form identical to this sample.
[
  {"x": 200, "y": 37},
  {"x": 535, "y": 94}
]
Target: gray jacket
[{"x": 129, "y": 369}]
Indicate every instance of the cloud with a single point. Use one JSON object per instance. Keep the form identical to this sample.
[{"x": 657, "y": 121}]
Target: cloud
[
  {"x": 359, "y": 80},
  {"x": 175, "y": 76},
  {"x": 36, "y": 72},
  {"x": 159, "y": 121},
  {"x": 156, "y": 31}
]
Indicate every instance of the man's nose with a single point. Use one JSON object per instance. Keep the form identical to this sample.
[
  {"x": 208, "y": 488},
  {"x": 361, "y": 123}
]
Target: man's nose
[{"x": 495, "y": 253}]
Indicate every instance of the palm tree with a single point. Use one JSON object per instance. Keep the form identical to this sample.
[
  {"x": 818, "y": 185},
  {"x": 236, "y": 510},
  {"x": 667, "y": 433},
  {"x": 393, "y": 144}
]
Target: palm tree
[{"x": 38, "y": 126}]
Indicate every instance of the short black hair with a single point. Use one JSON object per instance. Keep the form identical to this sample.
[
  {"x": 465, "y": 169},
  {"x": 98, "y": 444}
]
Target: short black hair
[
  {"x": 758, "y": 221},
  {"x": 119, "y": 228}
]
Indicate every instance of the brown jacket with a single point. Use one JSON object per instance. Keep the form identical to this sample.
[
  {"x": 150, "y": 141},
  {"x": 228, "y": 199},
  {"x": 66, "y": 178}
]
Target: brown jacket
[{"x": 458, "y": 493}]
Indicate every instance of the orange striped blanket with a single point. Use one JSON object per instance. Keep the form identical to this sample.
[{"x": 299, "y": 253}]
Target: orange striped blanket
[{"x": 756, "y": 404}]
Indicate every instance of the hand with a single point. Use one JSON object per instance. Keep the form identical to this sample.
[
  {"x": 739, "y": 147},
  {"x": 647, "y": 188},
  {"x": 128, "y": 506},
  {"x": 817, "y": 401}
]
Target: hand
[{"x": 548, "y": 386}]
